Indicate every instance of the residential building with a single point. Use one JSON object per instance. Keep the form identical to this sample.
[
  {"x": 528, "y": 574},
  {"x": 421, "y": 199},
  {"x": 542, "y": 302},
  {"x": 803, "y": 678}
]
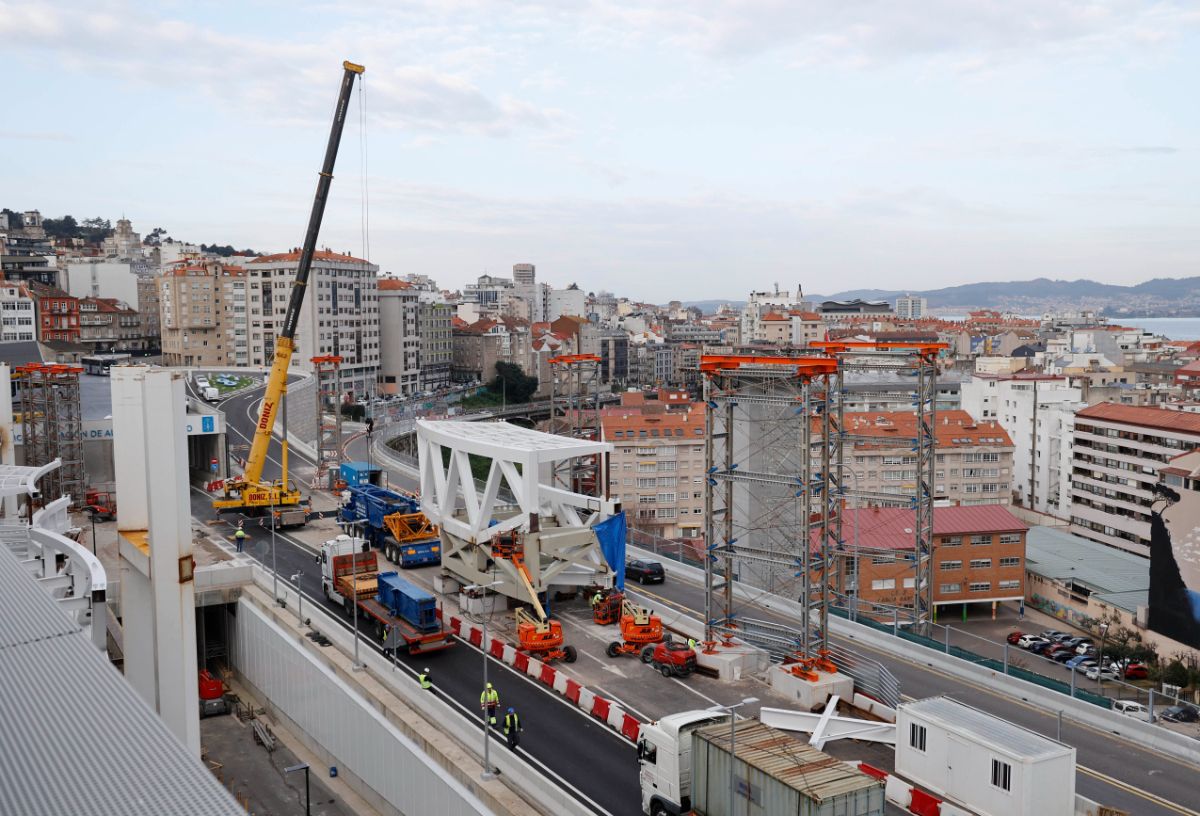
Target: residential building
[
  {"x": 974, "y": 460},
  {"x": 399, "y": 338},
  {"x": 148, "y": 308},
  {"x": 1117, "y": 453},
  {"x": 436, "y": 342},
  {"x": 109, "y": 325},
  {"x": 570, "y": 301},
  {"x": 762, "y": 303},
  {"x": 477, "y": 348},
  {"x": 656, "y": 469},
  {"x": 526, "y": 287},
  {"x": 17, "y": 313},
  {"x": 774, "y": 328},
  {"x": 124, "y": 243},
  {"x": 101, "y": 278},
  {"x": 1187, "y": 377},
  {"x": 694, "y": 333},
  {"x": 614, "y": 356},
  {"x": 488, "y": 294},
  {"x": 911, "y": 307},
  {"x": 685, "y": 365},
  {"x": 57, "y": 313},
  {"x": 978, "y": 556},
  {"x": 340, "y": 315},
  {"x": 202, "y": 314},
  {"x": 26, "y": 253},
  {"x": 1038, "y": 412},
  {"x": 806, "y": 328}
]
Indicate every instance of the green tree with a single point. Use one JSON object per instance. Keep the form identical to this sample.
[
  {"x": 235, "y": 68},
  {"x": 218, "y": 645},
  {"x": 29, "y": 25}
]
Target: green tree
[
  {"x": 1175, "y": 673},
  {"x": 96, "y": 229},
  {"x": 65, "y": 227},
  {"x": 513, "y": 383}
]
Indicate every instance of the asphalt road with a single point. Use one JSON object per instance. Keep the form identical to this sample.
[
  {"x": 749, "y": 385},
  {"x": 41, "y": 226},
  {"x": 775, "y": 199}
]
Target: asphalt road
[{"x": 580, "y": 754}]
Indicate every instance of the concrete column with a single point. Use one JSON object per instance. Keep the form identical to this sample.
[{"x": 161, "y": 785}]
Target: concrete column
[{"x": 8, "y": 452}]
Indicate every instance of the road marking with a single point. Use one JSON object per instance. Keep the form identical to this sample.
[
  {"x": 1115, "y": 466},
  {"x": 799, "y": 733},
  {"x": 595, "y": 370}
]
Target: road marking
[
  {"x": 625, "y": 705},
  {"x": 1136, "y": 791}
]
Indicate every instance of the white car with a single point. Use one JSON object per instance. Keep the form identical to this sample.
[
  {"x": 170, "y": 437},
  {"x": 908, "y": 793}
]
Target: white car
[
  {"x": 1105, "y": 673},
  {"x": 1027, "y": 641},
  {"x": 1132, "y": 709}
]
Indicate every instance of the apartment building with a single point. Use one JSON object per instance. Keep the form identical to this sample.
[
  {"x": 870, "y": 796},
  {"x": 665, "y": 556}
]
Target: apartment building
[
  {"x": 202, "y": 314},
  {"x": 437, "y": 345},
  {"x": 57, "y": 313},
  {"x": 1117, "y": 453},
  {"x": 911, "y": 307},
  {"x": 974, "y": 460},
  {"x": 656, "y": 469},
  {"x": 17, "y": 313},
  {"x": 149, "y": 310},
  {"x": 109, "y": 325},
  {"x": 399, "y": 338},
  {"x": 340, "y": 315},
  {"x": 1038, "y": 412},
  {"x": 978, "y": 556}
]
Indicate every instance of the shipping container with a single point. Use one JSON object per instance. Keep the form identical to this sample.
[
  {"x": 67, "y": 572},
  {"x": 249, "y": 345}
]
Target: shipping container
[
  {"x": 775, "y": 774},
  {"x": 405, "y": 600},
  {"x": 357, "y": 474}
]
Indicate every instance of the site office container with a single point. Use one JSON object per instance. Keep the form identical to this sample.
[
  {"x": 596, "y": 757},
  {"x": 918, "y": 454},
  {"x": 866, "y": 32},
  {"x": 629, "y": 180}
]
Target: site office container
[
  {"x": 775, "y": 774},
  {"x": 408, "y": 602}
]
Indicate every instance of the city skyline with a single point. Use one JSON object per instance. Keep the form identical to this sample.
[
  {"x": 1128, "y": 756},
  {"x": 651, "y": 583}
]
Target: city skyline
[{"x": 641, "y": 151}]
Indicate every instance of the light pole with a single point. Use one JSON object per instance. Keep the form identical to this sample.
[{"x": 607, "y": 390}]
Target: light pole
[
  {"x": 299, "y": 599},
  {"x": 1100, "y": 657},
  {"x": 487, "y": 756},
  {"x": 732, "y": 736},
  {"x": 303, "y": 766},
  {"x": 93, "y": 515},
  {"x": 274, "y": 567},
  {"x": 358, "y": 543}
]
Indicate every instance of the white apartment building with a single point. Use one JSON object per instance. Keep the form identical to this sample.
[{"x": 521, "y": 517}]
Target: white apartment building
[
  {"x": 399, "y": 338},
  {"x": 202, "y": 314},
  {"x": 761, "y": 303},
  {"x": 103, "y": 278},
  {"x": 340, "y": 315},
  {"x": 656, "y": 469},
  {"x": 1038, "y": 412},
  {"x": 1117, "y": 453},
  {"x": 569, "y": 301},
  {"x": 911, "y": 307},
  {"x": 488, "y": 293},
  {"x": 16, "y": 313}
]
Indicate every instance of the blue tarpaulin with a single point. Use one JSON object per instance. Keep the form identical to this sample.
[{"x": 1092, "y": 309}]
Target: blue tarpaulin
[{"x": 611, "y": 533}]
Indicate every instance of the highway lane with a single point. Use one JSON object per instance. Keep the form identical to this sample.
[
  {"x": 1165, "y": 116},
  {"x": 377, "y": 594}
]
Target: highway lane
[{"x": 1112, "y": 771}]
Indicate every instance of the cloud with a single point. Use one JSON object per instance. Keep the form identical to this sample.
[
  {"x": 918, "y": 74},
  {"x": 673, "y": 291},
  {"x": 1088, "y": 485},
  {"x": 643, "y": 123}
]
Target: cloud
[
  {"x": 1151, "y": 150},
  {"x": 36, "y": 136},
  {"x": 274, "y": 78}
]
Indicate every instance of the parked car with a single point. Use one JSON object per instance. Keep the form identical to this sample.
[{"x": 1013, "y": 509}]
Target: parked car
[
  {"x": 1085, "y": 649},
  {"x": 1136, "y": 671},
  {"x": 645, "y": 572},
  {"x": 1042, "y": 647},
  {"x": 1076, "y": 642},
  {"x": 1051, "y": 634},
  {"x": 1081, "y": 662},
  {"x": 1014, "y": 637},
  {"x": 1181, "y": 714},
  {"x": 1133, "y": 709},
  {"x": 1064, "y": 655},
  {"x": 1029, "y": 641},
  {"x": 1102, "y": 673}
]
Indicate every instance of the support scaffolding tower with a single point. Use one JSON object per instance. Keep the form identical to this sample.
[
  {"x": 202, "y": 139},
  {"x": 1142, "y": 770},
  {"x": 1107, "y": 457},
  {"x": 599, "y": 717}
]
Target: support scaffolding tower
[
  {"x": 328, "y": 370},
  {"x": 771, "y": 499},
  {"x": 575, "y": 412},
  {"x": 52, "y": 427},
  {"x": 918, "y": 360}
]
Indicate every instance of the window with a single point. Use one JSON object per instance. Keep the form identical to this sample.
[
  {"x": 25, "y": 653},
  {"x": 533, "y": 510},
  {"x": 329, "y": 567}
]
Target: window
[
  {"x": 981, "y": 539},
  {"x": 949, "y": 566},
  {"x": 884, "y": 583},
  {"x": 1010, "y": 584},
  {"x": 1011, "y": 561},
  {"x": 1001, "y": 775},
  {"x": 981, "y": 563},
  {"x": 949, "y": 589},
  {"x": 910, "y": 583},
  {"x": 650, "y": 482},
  {"x": 1010, "y": 538},
  {"x": 916, "y": 738},
  {"x": 982, "y": 586},
  {"x": 952, "y": 541}
]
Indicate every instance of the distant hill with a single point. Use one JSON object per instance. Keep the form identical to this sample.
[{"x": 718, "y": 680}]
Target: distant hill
[{"x": 1168, "y": 295}]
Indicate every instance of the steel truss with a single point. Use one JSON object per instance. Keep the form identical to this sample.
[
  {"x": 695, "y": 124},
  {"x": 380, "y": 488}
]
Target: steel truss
[
  {"x": 328, "y": 371},
  {"x": 575, "y": 412},
  {"x": 52, "y": 427}
]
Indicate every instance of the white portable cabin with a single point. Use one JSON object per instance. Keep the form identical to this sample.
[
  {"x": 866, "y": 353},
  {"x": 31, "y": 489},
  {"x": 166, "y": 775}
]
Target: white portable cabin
[{"x": 986, "y": 764}]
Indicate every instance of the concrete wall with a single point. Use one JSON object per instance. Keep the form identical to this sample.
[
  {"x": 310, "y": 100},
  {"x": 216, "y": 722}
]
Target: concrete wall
[{"x": 302, "y": 409}]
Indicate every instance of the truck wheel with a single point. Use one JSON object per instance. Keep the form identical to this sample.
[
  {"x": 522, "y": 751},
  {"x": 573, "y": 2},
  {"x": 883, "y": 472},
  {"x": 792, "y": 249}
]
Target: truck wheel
[
  {"x": 325, "y": 590},
  {"x": 613, "y": 649},
  {"x": 665, "y": 669},
  {"x": 658, "y": 809},
  {"x": 349, "y": 606},
  {"x": 569, "y": 654},
  {"x": 647, "y": 654}
]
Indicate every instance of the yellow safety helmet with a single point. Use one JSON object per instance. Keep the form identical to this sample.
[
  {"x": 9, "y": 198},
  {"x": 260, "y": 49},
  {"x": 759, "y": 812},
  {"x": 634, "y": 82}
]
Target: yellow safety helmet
[{"x": 489, "y": 685}]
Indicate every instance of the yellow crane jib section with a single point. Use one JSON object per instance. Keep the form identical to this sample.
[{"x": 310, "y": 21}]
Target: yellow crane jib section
[
  {"x": 408, "y": 527},
  {"x": 276, "y": 385}
]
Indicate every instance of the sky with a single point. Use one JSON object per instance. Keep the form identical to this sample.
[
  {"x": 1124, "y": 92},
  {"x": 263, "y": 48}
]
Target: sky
[{"x": 682, "y": 149}]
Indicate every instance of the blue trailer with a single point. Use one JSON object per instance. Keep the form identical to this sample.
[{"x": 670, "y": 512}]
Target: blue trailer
[
  {"x": 370, "y": 506},
  {"x": 407, "y": 601}
]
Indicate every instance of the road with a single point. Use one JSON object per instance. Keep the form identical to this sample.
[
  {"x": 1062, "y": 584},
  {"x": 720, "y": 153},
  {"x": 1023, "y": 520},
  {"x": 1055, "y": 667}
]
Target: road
[{"x": 580, "y": 754}]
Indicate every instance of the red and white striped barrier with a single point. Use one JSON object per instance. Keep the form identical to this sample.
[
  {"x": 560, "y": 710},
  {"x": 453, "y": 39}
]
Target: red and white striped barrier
[
  {"x": 914, "y": 800},
  {"x": 604, "y": 710}
]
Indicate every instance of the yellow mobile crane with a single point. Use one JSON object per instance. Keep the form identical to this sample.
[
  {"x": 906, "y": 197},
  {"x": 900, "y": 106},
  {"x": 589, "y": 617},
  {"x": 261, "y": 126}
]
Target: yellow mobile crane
[{"x": 249, "y": 491}]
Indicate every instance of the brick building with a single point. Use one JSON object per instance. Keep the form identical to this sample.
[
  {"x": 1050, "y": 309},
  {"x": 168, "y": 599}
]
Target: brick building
[
  {"x": 57, "y": 313},
  {"x": 978, "y": 555},
  {"x": 202, "y": 314}
]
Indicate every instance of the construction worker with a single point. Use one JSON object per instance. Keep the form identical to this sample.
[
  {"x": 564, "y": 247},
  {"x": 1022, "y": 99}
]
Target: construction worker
[
  {"x": 512, "y": 727},
  {"x": 597, "y": 598},
  {"x": 240, "y": 537},
  {"x": 423, "y": 679},
  {"x": 489, "y": 700},
  {"x": 692, "y": 644}
]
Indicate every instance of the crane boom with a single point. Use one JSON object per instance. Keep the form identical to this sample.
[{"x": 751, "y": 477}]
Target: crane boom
[{"x": 285, "y": 343}]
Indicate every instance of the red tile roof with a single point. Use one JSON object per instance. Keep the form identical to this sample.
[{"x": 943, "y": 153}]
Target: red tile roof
[
  {"x": 1144, "y": 416},
  {"x": 891, "y": 528},
  {"x": 393, "y": 285},
  {"x": 319, "y": 255},
  {"x": 894, "y": 428}
]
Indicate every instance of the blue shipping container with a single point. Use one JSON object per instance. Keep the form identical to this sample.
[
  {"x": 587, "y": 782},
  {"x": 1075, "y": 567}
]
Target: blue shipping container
[
  {"x": 409, "y": 602},
  {"x": 356, "y": 474}
]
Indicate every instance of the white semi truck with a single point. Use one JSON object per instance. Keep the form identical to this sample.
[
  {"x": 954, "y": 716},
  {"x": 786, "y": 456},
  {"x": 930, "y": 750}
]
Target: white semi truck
[{"x": 665, "y": 756}]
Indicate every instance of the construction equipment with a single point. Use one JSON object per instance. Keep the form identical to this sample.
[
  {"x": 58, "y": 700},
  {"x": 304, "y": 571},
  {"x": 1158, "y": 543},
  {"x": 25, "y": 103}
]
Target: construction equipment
[
  {"x": 608, "y": 609},
  {"x": 100, "y": 505},
  {"x": 391, "y": 521},
  {"x": 640, "y": 630},
  {"x": 539, "y": 635},
  {"x": 673, "y": 659},
  {"x": 249, "y": 492}
]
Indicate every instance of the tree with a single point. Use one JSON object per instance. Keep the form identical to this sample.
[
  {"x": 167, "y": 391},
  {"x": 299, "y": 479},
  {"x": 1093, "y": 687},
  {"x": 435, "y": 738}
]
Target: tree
[
  {"x": 512, "y": 383},
  {"x": 96, "y": 229},
  {"x": 1176, "y": 674},
  {"x": 65, "y": 227}
]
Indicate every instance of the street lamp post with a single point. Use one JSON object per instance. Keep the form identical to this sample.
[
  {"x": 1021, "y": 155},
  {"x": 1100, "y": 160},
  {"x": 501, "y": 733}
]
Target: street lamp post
[
  {"x": 732, "y": 736},
  {"x": 93, "y": 515},
  {"x": 299, "y": 599},
  {"x": 303, "y": 766},
  {"x": 1100, "y": 657},
  {"x": 487, "y": 756}
]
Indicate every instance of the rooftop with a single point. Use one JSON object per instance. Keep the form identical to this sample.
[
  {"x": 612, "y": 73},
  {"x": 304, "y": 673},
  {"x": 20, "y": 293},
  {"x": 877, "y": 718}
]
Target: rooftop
[
  {"x": 892, "y": 528},
  {"x": 1144, "y": 416},
  {"x": 953, "y": 429},
  {"x": 1001, "y": 735},
  {"x": 1061, "y": 556},
  {"x": 293, "y": 256}
]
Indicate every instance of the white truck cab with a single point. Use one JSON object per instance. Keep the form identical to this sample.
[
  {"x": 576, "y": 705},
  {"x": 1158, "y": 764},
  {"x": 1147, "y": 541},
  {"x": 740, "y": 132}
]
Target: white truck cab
[{"x": 665, "y": 757}]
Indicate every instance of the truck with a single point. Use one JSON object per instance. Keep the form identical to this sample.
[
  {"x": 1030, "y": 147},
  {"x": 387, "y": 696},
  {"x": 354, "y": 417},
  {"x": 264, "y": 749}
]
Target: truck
[
  {"x": 685, "y": 768},
  {"x": 392, "y": 522},
  {"x": 211, "y": 394},
  {"x": 398, "y": 613}
]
